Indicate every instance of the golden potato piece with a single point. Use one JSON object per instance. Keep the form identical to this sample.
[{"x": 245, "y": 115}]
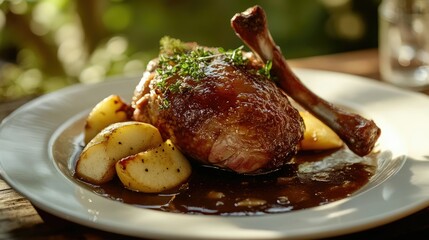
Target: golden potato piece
[
  {"x": 155, "y": 170},
  {"x": 96, "y": 163},
  {"x": 110, "y": 110},
  {"x": 317, "y": 135}
]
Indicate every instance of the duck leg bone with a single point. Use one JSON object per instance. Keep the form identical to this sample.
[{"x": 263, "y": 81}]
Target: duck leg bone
[{"x": 358, "y": 133}]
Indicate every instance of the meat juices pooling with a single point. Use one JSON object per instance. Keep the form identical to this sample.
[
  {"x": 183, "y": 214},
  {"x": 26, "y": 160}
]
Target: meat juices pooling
[{"x": 225, "y": 112}]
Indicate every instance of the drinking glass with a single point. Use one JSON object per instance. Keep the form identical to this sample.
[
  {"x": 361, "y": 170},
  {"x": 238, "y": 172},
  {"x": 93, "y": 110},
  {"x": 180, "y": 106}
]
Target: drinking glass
[{"x": 404, "y": 43}]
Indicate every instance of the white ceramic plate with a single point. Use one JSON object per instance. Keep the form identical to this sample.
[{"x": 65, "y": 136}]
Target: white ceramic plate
[{"x": 38, "y": 141}]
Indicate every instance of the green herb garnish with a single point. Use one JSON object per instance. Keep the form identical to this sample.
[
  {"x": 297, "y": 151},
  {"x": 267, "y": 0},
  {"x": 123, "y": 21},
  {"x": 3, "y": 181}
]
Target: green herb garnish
[
  {"x": 178, "y": 58},
  {"x": 170, "y": 45},
  {"x": 164, "y": 103},
  {"x": 185, "y": 60},
  {"x": 265, "y": 71}
]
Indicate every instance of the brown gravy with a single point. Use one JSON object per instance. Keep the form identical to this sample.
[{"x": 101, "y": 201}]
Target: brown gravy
[{"x": 312, "y": 179}]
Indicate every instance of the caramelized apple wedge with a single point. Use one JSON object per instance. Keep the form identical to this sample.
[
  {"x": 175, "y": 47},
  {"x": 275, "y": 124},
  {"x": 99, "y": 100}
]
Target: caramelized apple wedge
[
  {"x": 110, "y": 110},
  {"x": 155, "y": 170},
  {"x": 318, "y": 136},
  {"x": 96, "y": 164}
]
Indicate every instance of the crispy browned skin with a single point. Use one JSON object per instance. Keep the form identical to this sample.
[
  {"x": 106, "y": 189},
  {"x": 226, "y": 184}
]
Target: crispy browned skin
[{"x": 233, "y": 118}]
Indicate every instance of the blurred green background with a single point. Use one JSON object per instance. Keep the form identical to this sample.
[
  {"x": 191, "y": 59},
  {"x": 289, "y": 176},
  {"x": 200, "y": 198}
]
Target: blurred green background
[{"x": 48, "y": 44}]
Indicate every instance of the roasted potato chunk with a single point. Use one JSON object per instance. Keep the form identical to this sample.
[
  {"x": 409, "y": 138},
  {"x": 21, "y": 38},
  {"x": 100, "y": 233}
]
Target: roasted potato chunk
[
  {"x": 155, "y": 170},
  {"x": 110, "y": 110},
  {"x": 96, "y": 164},
  {"x": 317, "y": 135}
]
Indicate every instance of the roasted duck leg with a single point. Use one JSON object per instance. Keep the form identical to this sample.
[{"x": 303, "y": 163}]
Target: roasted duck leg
[
  {"x": 217, "y": 109},
  {"x": 359, "y": 134}
]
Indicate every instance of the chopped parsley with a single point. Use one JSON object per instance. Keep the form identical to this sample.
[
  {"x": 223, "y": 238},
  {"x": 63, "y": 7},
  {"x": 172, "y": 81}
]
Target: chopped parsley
[
  {"x": 266, "y": 69},
  {"x": 185, "y": 60},
  {"x": 181, "y": 59}
]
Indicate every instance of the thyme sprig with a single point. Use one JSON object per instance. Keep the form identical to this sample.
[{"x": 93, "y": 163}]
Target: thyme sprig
[
  {"x": 184, "y": 64},
  {"x": 179, "y": 59},
  {"x": 183, "y": 60},
  {"x": 266, "y": 69}
]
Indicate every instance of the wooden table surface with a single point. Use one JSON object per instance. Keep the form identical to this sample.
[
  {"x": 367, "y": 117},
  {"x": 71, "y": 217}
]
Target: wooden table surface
[{"x": 19, "y": 219}]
